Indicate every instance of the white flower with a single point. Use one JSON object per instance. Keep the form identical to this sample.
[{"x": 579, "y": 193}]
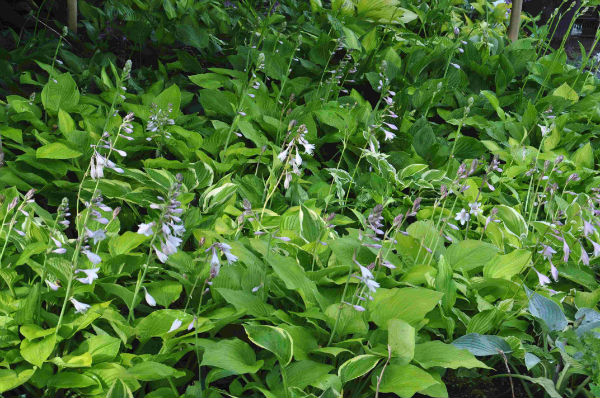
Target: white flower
[
  {"x": 146, "y": 229},
  {"x": 388, "y": 135},
  {"x": 80, "y": 308},
  {"x": 162, "y": 257},
  {"x": 475, "y": 208},
  {"x": 53, "y": 286},
  {"x": 366, "y": 273},
  {"x": 544, "y": 129},
  {"x": 191, "y": 325},
  {"x": 93, "y": 257},
  {"x": 462, "y": 216},
  {"x": 96, "y": 236},
  {"x": 371, "y": 284},
  {"x": 59, "y": 250},
  {"x": 90, "y": 275},
  {"x": 149, "y": 299},
  {"x": 175, "y": 325},
  {"x": 457, "y": 66}
]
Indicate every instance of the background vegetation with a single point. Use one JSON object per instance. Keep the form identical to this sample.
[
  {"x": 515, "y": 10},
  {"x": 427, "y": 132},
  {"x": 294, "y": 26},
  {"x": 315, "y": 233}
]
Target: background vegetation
[{"x": 297, "y": 199}]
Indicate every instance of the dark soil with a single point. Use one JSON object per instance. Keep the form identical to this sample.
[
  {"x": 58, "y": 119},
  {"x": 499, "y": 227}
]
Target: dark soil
[{"x": 482, "y": 387}]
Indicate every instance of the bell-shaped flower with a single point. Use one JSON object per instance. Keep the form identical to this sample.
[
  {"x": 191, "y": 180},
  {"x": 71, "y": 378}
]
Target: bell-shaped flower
[
  {"x": 80, "y": 308},
  {"x": 149, "y": 299},
  {"x": 175, "y": 325},
  {"x": 90, "y": 275}
]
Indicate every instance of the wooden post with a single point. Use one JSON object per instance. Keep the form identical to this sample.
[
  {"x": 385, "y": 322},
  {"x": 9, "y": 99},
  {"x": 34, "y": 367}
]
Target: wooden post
[
  {"x": 72, "y": 15},
  {"x": 515, "y": 20}
]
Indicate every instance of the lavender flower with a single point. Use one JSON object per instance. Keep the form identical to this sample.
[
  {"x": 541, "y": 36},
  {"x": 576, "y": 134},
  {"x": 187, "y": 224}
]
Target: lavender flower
[
  {"x": 543, "y": 279},
  {"x": 547, "y": 252},
  {"x": 215, "y": 261},
  {"x": 375, "y": 218},
  {"x": 53, "y": 285},
  {"x": 585, "y": 259},
  {"x": 475, "y": 208},
  {"x": 553, "y": 272},
  {"x": 588, "y": 228},
  {"x": 169, "y": 228}
]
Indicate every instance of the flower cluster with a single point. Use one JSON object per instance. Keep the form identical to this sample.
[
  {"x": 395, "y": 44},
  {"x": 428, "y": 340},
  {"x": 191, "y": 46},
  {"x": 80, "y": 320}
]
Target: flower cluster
[
  {"x": 169, "y": 228},
  {"x": 288, "y": 157},
  {"x": 100, "y": 161},
  {"x": 216, "y": 250},
  {"x": 158, "y": 120}
]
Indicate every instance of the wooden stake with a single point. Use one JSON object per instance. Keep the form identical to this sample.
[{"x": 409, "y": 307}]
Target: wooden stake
[
  {"x": 72, "y": 15},
  {"x": 515, "y": 20}
]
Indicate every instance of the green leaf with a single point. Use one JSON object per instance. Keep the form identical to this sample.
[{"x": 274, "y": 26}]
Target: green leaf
[
  {"x": 150, "y": 370},
  {"x": 65, "y": 122},
  {"x": 60, "y": 93},
  {"x": 11, "y": 379},
  {"x": 12, "y": 133},
  {"x": 584, "y": 156},
  {"x": 469, "y": 254},
  {"x": 404, "y": 380},
  {"x": 169, "y": 98},
  {"x": 507, "y": 265},
  {"x": 401, "y": 339},
  {"x": 56, "y": 150},
  {"x": 248, "y": 302},
  {"x": 67, "y": 379},
  {"x": 546, "y": 384},
  {"x": 36, "y": 352},
  {"x": 482, "y": 345},
  {"x": 436, "y": 353},
  {"x": 513, "y": 220},
  {"x": 547, "y": 310},
  {"x": 159, "y": 322},
  {"x": 310, "y": 224},
  {"x": 391, "y": 304},
  {"x": 274, "y": 339},
  {"x": 304, "y": 373},
  {"x": 124, "y": 244},
  {"x": 164, "y": 292},
  {"x": 232, "y": 355},
  {"x": 424, "y": 140},
  {"x": 565, "y": 91},
  {"x": 294, "y": 277},
  {"x": 357, "y": 367}
]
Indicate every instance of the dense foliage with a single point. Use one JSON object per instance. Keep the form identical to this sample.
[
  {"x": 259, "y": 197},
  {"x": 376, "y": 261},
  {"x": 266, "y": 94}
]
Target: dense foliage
[{"x": 296, "y": 199}]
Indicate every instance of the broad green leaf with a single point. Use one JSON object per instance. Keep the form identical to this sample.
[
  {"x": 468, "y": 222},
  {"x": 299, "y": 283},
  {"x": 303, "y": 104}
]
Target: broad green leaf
[
  {"x": 469, "y": 254},
  {"x": 36, "y": 352},
  {"x": 565, "y": 91},
  {"x": 164, "y": 292},
  {"x": 436, "y": 353},
  {"x": 357, "y": 367},
  {"x": 304, "y": 373},
  {"x": 507, "y": 265},
  {"x": 403, "y": 380},
  {"x": 401, "y": 339},
  {"x": 513, "y": 220},
  {"x": 482, "y": 345},
  {"x": 65, "y": 122},
  {"x": 159, "y": 322},
  {"x": 392, "y": 304},
  {"x": 69, "y": 380},
  {"x": 11, "y": 379},
  {"x": 294, "y": 277},
  {"x": 60, "y": 93},
  {"x": 150, "y": 370},
  {"x": 234, "y": 355},
  {"x": 547, "y": 310},
  {"x": 584, "y": 156},
  {"x": 274, "y": 339},
  {"x": 252, "y": 304},
  {"x": 169, "y": 98},
  {"x": 56, "y": 150},
  {"x": 310, "y": 224},
  {"x": 124, "y": 244}
]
